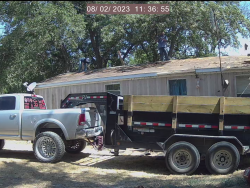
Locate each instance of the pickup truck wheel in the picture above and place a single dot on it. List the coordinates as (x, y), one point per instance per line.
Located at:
(222, 158)
(182, 158)
(48, 147)
(75, 146)
(2, 143)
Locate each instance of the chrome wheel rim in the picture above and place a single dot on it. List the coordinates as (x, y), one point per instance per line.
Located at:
(46, 147)
(222, 159)
(182, 159)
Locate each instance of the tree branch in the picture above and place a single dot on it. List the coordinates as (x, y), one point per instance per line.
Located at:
(127, 52)
(173, 41)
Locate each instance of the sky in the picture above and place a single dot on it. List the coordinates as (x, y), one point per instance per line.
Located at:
(241, 51)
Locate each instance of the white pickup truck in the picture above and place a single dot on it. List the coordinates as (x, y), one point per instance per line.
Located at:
(25, 117)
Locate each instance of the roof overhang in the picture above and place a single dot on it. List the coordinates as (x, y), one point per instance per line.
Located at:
(143, 76)
(115, 78)
(208, 70)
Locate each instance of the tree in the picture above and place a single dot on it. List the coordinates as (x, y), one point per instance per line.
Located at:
(40, 40)
(46, 38)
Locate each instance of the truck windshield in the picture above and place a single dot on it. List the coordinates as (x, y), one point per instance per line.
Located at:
(34, 103)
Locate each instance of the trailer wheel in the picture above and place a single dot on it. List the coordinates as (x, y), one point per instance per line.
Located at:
(75, 146)
(182, 158)
(2, 143)
(48, 147)
(222, 158)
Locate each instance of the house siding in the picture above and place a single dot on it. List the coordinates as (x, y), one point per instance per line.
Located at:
(210, 85)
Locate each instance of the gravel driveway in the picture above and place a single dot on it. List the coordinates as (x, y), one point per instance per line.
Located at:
(19, 168)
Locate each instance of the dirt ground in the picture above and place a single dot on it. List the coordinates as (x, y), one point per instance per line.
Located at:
(20, 168)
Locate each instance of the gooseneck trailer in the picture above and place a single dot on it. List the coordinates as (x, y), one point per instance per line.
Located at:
(186, 128)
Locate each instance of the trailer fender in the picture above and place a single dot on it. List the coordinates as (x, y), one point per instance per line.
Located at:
(202, 140)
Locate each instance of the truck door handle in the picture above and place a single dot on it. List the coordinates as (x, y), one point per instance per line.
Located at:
(13, 116)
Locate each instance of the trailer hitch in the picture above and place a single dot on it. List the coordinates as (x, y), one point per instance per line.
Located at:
(98, 143)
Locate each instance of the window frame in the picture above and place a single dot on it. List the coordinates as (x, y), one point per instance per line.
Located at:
(9, 97)
(235, 83)
(168, 84)
(105, 85)
(38, 98)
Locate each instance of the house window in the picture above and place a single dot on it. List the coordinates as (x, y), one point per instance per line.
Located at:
(242, 86)
(7, 103)
(178, 87)
(113, 88)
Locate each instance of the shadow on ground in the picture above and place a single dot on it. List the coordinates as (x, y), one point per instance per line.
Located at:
(148, 164)
(146, 171)
(29, 155)
(27, 176)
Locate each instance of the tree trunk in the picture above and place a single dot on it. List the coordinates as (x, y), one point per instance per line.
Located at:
(153, 51)
(104, 62)
(99, 59)
(66, 58)
(173, 41)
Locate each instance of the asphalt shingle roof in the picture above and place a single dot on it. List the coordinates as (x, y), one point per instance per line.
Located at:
(171, 67)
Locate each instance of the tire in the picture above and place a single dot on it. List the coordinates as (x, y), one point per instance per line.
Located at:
(222, 158)
(75, 146)
(2, 143)
(55, 146)
(182, 158)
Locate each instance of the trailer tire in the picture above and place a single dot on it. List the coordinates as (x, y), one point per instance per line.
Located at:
(182, 158)
(222, 158)
(2, 143)
(48, 147)
(76, 147)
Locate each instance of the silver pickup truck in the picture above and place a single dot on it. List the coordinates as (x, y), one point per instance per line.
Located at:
(52, 132)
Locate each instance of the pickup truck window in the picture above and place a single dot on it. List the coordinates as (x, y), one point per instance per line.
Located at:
(34, 103)
(8, 103)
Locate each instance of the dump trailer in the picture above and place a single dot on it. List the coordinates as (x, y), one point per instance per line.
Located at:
(187, 129)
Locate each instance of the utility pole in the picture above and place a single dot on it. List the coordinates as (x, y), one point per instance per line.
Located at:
(219, 41)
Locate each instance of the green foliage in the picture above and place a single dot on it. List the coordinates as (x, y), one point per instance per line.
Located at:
(40, 41)
(46, 38)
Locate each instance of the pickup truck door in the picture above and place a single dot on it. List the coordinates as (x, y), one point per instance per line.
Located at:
(9, 117)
